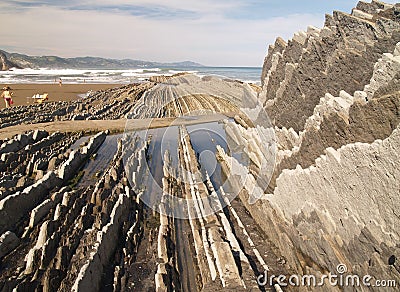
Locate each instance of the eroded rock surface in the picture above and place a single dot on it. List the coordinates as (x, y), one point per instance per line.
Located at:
(333, 96)
(317, 187)
(340, 56)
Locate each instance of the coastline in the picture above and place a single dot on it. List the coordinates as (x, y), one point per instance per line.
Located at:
(22, 92)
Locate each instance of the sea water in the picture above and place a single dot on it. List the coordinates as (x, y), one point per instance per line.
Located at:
(75, 76)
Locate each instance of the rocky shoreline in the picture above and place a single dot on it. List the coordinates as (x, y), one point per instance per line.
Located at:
(194, 189)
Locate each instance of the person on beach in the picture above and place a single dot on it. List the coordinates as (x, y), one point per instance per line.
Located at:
(7, 95)
(60, 82)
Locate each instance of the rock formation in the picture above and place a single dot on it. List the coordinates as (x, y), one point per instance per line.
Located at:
(333, 96)
(5, 63)
(318, 186)
(340, 56)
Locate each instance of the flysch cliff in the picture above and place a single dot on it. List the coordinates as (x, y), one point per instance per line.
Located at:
(72, 214)
(340, 56)
(333, 95)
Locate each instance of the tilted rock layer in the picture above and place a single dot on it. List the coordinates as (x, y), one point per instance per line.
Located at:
(340, 56)
(333, 96)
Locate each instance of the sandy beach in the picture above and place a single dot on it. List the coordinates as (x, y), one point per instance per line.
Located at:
(22, 93)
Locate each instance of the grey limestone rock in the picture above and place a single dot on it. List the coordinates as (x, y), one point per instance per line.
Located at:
(326, 62)
(8, 241)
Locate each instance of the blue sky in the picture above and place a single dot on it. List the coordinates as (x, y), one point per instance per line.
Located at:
(211, 32)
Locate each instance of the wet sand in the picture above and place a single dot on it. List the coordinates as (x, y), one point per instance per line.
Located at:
(22, 93)
(114, 126)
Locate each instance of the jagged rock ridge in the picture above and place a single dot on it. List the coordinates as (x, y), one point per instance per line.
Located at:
(340, 56)
(333, 198)
(333, 95)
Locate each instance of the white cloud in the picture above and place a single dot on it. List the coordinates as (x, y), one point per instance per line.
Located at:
(203, 6)
(211, 40)
(171, 6)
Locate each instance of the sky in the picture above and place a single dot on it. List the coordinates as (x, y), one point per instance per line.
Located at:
(210, 32)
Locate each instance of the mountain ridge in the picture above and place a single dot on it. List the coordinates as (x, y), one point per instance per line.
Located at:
(9, 60)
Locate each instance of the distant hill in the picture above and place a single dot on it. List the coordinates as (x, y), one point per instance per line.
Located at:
(9, 60)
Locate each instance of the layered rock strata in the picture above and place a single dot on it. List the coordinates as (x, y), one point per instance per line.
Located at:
(65, 239)
(333, 96)
(340, 56)
(174, 97)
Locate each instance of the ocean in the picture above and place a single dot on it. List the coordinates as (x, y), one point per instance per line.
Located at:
(126, 76)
